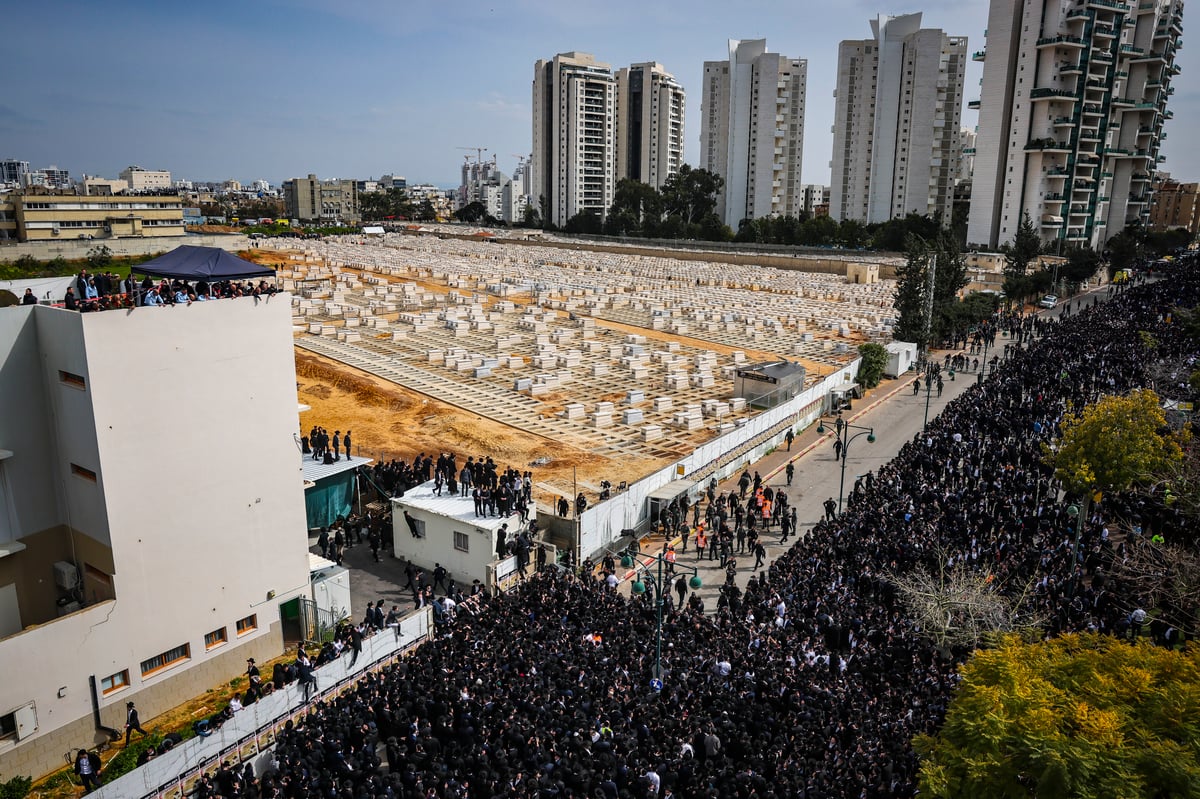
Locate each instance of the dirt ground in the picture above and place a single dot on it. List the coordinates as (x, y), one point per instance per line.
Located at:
(389, 421)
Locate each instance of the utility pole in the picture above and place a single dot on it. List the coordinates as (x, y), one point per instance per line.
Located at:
(931, 282)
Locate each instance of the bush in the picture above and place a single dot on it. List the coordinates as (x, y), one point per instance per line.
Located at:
(127, 759)
(15, 788)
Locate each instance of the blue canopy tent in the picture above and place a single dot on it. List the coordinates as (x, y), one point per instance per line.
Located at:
(202, 263)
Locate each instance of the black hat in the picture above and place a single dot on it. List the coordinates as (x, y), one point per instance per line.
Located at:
(249, 660)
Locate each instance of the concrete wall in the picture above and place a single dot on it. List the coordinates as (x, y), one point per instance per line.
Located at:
(187, 418)
(73, 249)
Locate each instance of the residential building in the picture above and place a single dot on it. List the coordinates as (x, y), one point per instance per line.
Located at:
(41, 216)
(966, 155)
(13, 172)
(140, 180)
(574, 144)
(311, 199)
(393, 182)
(1176, 205)
(140, 561)
(650, 106)
(814, 198)
(49, 178)
(752, 131)
(896, 122)
(1074, 97)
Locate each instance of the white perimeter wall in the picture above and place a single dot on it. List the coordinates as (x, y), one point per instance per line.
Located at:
(601, 524)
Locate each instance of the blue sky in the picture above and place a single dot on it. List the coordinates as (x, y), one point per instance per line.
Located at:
(358, 88)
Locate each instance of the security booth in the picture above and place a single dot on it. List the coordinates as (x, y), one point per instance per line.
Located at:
(765, 385)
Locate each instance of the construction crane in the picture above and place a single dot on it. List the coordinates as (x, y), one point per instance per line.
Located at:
(479, 151)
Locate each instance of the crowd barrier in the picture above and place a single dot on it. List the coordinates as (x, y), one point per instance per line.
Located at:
(251, 733)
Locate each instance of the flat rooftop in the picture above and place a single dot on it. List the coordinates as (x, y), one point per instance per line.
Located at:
(451, 506)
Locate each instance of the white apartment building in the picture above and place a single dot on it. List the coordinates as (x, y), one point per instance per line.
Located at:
(814, 198)
(895, 131)
(650, 107)
(966, 155)
(573, 163)
(1074, 96)
(752, 130)
(139, 179)
(143, 556)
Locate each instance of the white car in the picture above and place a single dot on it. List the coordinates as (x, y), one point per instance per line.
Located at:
(1049, 301)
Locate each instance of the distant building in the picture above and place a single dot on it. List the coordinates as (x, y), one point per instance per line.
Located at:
(139, 179)
(93, 186)
(311, 199)
(573, 163)
(966, 155)
(813, 197)
(121, 596)
(649, 107)
(896, 121)
(1176, 205)
(261, 186)
(13, 172)
(752, 131)
(43, 216)
(393, 182)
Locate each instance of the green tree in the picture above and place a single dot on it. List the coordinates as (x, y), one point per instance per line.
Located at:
(942, 256)
(586, 222)
(1018, 255)
(874, 361)
(636, 210)
(691, 194)
(819, 231)
(1126, 248)
(853, 233)
(471, 213)
(1078, 716)
(426, 212)
(1082, 264)
(99, 257)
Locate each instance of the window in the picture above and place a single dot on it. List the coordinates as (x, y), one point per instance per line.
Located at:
(215, 638)
(168, 658)
(20, 723)
(461, 542)
(72, 379)
(86, 474)
(115, 682)
(248, 624)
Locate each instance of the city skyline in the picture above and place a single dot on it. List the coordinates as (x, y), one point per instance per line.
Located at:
(223, 91)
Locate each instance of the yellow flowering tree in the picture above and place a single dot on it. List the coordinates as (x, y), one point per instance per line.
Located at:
(1114, 443)
(1078, 716)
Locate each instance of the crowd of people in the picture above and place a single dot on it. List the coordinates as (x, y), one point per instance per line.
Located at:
(810, 683)
(106, 291)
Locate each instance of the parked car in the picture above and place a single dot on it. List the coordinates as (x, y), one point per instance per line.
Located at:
(1049, 301)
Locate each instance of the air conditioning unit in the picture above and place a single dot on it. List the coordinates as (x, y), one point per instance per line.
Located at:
(66, 576)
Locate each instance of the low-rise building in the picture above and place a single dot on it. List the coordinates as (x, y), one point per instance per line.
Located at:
(1176, 205)
(140, 179)
(140, 558)
(46, 216)
(311, 199)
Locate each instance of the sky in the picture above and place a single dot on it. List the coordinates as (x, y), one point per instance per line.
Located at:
(359, 88)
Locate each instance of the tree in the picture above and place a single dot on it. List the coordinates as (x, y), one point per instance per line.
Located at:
(853, 234)
(1126, 248)
(586, 222)
(1114, 443)
(636, 210)
(959, 607)
(874, 361)
(1018, 254)
(426, 212)
(691, 194)
(471, 212)
(1161, 576)
(1082, 263)
(99, 257)
(1078, 716)
(942, 256)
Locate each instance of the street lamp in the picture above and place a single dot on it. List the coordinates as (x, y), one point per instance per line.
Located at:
(657, 583)
(842, 434)
(1077, 518)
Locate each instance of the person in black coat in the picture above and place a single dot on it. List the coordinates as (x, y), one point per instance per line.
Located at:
(132, 722)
